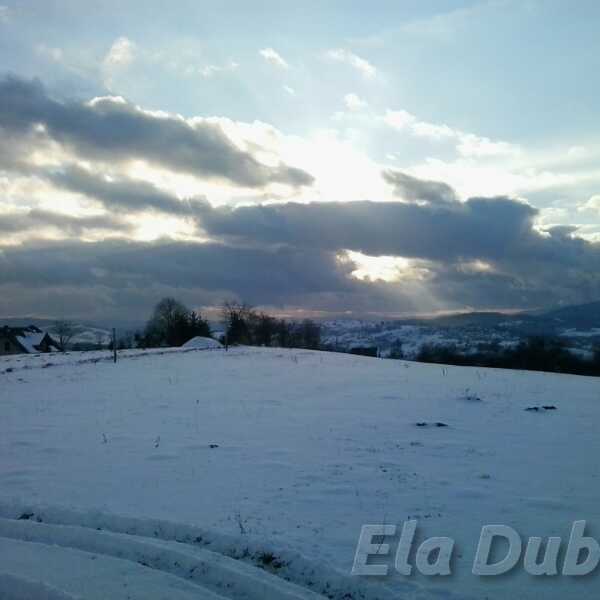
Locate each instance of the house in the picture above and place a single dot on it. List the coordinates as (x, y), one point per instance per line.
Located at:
(26, 340)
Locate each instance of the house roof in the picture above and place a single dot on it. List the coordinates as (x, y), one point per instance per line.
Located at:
(29, 338)
(30, 341)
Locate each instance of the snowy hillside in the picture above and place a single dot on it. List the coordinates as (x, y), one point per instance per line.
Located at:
(91, 336)
(344, 335)
(466, 337)
(249, 473)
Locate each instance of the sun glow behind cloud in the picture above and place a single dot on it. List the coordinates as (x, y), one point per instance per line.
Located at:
(152, 227)
(384, 268)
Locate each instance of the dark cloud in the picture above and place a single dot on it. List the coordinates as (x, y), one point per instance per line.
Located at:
(111, 130)
(412, 189)
(202, 273)
(250, 272)
(35, 219)
(477, 228)
(485, 252)
(121, 195)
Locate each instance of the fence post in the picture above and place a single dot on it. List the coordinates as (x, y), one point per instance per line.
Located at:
(114, 332)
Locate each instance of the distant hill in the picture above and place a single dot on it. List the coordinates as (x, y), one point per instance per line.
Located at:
(581, 316)
(479, 319)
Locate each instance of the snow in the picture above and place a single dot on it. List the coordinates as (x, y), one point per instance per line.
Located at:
(17, 362)
(92, 336)
(154, 566)
(259, 466)
(347, 334)
(30, 341)
(575, 333)
(23, 588)
(202, 343)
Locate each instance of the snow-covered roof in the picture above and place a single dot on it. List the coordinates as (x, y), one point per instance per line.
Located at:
(202, 343)
(30, 341)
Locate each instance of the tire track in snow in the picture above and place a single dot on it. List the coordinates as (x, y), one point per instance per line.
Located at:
(92, 576)
(215, 565)
(215, 575)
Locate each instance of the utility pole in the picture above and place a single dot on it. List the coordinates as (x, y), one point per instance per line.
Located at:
(114, 344)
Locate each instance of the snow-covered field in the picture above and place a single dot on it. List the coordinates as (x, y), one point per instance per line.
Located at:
(213, 474)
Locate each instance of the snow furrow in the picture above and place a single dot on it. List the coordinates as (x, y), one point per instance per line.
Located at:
(208, 569)
(244, 567)
(92, 576)
(191, 552)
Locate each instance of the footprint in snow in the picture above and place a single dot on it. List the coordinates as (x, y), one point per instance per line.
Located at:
(540, 408)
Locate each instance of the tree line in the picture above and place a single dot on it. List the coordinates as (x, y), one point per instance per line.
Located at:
(244, 325)
(173, 324)
(533, 354)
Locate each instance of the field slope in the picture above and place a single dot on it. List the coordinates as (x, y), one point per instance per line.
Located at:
(248, 473)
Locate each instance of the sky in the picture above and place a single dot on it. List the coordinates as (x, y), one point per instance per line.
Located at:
(315, 158)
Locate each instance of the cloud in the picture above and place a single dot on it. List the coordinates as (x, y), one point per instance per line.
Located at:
(4, 14)
(577, 152)
(403, 120)
(210, 70)
(121, 53)
(485, 228)
(118, 194)
(353, 102)
(489, 246)
(592, 205)
(360, 64)
(112, 130)
(291, 91)
(468, 145)
(114, 271)
(35, 220)
(412, 189)
(484, 252)
(274, 58)
(49, 53)
(117, 60)
(399, 119)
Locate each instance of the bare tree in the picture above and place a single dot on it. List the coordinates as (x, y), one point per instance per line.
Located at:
(237, 318)
(65, 330)
(167, 313)
(173, 324)
(100, 340)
